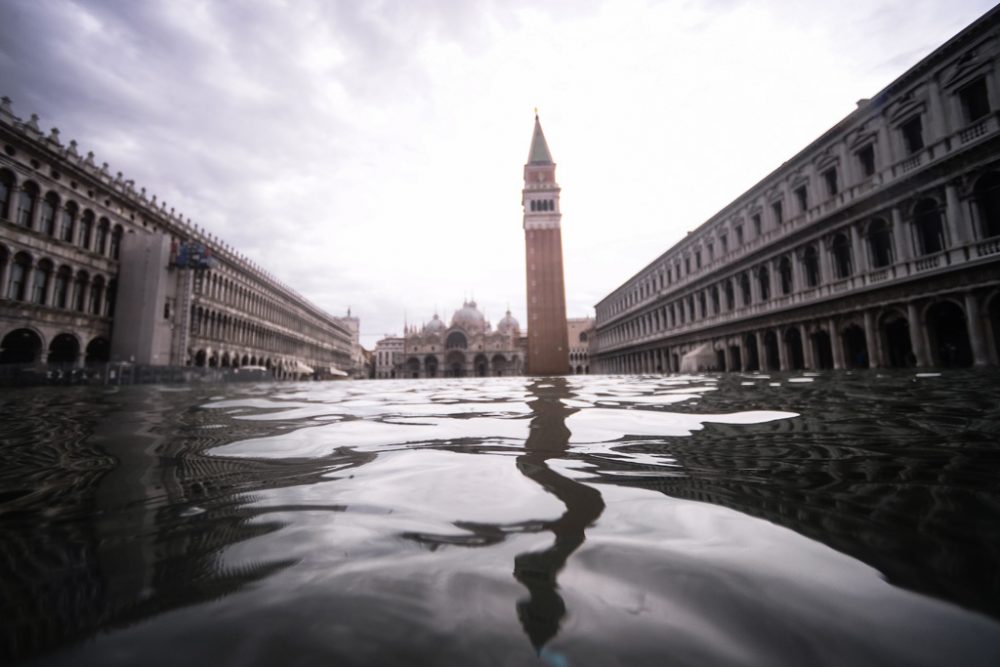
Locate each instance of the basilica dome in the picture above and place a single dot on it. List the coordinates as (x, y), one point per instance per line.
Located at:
(435, 325)
(469, 318)
(508, 325)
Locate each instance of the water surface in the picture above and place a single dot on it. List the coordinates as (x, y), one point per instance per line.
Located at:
(829, 518)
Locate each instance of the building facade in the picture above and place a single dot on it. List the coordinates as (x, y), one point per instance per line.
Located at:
(89, 273)
(580, 331)
(548, 352)
(877, 245)
(388, 357)
(469, 346)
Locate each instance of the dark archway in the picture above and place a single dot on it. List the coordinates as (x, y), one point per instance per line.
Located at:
(764, 283)
(793, 348)
(785, 273)
(456, 341)
(454, 364)
(879, 243)
(928, 226)
(98, 351)
(20, 346)
(481, 365)
(720, 360)
(896, 341)
(430, 366)
(855, 347)
(987, 194)
(949, 335)
(841, 249)
(413, 367)
(822, 350)
(993, 315)
(499, 364)
(753, 360)
(810, 264)
(200, 358)
(734, 353)
(771, 354)
(64, 350)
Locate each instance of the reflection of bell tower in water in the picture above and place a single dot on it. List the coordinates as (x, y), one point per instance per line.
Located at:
(548, 340)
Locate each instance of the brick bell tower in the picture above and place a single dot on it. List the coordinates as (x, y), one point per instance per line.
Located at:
(548, 340)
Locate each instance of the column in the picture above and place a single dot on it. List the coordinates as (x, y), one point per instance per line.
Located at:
(977, 340)
(917, 339)
(754, 286)
(900, 237)
(775, 274)
(758, 345)
(782, 352)
(871, 341)
(743, 352)
(808, 356)
(956, 221)
(5, 277)
(858, 249)
(825, 276)
(798, 281)
(836, 345)
(50, 288)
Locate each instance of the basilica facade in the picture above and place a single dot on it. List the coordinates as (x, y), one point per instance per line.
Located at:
(467, 346)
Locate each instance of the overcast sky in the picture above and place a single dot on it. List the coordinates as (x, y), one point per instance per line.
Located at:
(370, 154)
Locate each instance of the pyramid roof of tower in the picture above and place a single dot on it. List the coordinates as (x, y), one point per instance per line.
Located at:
(539, 153)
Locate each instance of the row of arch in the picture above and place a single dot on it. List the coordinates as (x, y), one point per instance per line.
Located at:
(542, 205)
(25, 206)
(809, 266)
(458, 364)
(25, 346)
(949, 332)
(928, 232)
(26, 278)
(227, 291)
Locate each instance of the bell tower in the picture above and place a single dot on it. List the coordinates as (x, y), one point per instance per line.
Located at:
(548, 340)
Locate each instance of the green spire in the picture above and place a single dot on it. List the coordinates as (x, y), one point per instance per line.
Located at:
(539, 153)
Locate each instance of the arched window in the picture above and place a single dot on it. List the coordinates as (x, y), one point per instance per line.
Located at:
(745, 289)
(715, 298)
(60, 295)
(96, 296)
(880, 243)
(534, 205)
(810, 262)
(764, 280)
(42, 277)
(730, 296)
(86, 229)
(103, 231)
(987, 194)
(26, 204)
(17, 289)
(116, 241)
(841, 248)
(80, 291)
(6, 188)
(49, 206)
(927, 223)
(785, 272)
(67, 219)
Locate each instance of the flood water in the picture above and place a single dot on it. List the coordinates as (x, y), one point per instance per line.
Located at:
(834, 518)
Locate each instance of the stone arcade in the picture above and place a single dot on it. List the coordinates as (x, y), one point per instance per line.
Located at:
(878, 245)
(84, 253)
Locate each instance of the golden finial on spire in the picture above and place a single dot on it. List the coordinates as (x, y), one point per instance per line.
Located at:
(536, 112)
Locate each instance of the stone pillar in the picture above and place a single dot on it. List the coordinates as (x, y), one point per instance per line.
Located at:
(836, 345)
(977, 340)
(743, 352)
(774, 273)
(901, 237)
(755, 286)
(871, 341)
(50, 288)
(808, 358)
(825, 275)
(798, 280)
(782, 352)
(858, 249)
(759, 344)
(956, 221)
(917, 337)
(5, 277)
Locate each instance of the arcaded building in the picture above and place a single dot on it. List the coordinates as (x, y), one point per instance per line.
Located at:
(878, 245)
(579, 331)
(548, 350)
(468, 346)
(93, 269)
